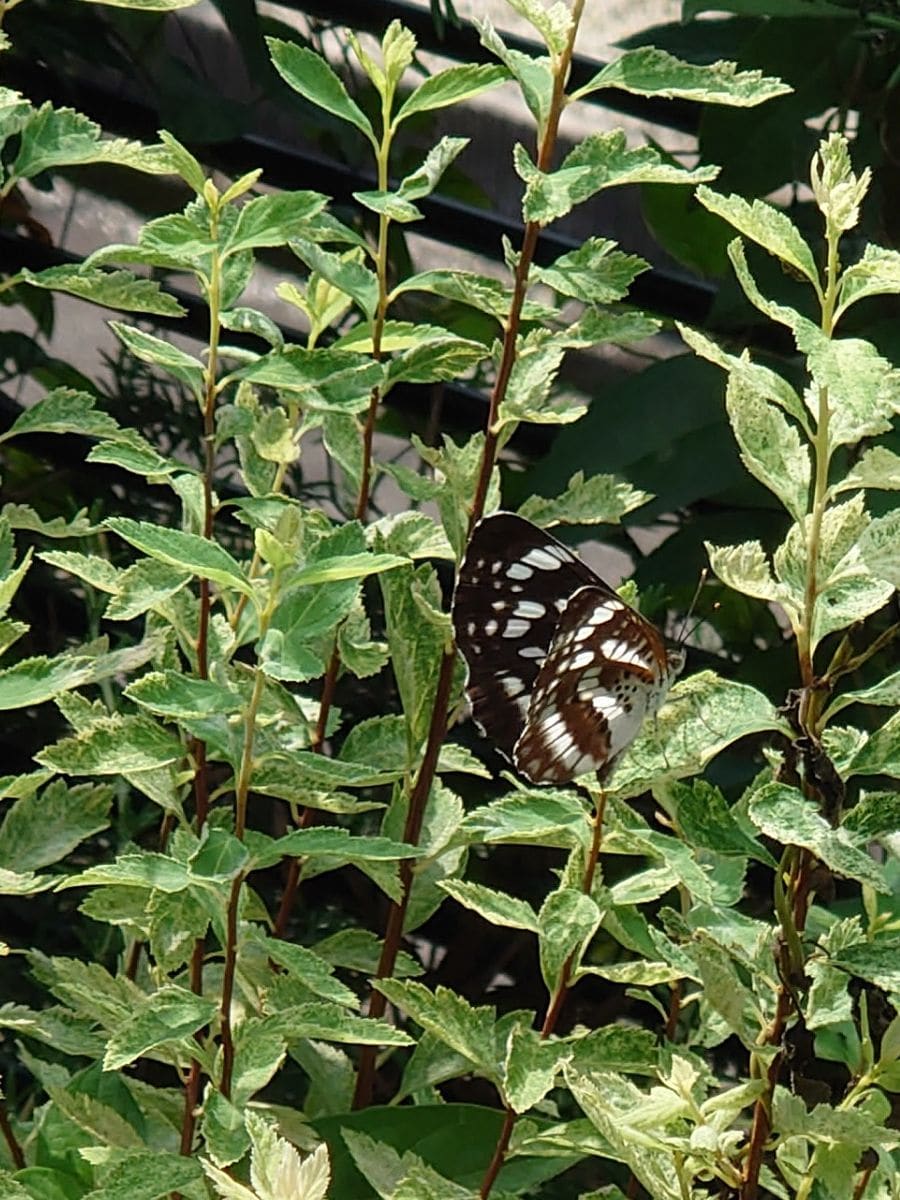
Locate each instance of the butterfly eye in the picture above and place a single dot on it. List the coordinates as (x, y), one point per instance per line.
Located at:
(562, 672)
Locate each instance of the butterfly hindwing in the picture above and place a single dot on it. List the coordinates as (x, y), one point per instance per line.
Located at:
(593, 691)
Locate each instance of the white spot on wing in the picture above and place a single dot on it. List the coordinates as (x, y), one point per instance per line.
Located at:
(516, 628)
(529, 609)
(531, 652)
(518, 570)
(583, 658)
(617, 650)
(542, 559)
(491, 627)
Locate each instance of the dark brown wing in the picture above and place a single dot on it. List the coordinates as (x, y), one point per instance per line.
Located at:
(514, 582)
(606, 670)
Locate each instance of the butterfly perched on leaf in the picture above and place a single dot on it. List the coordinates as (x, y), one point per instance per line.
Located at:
(562, 672)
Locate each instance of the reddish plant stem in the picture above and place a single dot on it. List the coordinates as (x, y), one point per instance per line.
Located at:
(134, 958)
(228, 986)
(674, 1011)
(499, 1156)
(198, 747)
(799, 882)
(554, 1008)
(15, 1150)
(862, 1183)
(292, 882)
(412, 830)
(192, 1084)
(422, 787)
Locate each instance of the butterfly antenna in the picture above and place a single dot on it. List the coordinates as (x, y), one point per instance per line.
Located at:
(685, 632)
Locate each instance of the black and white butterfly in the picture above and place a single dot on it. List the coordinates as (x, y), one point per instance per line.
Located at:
(562, 672)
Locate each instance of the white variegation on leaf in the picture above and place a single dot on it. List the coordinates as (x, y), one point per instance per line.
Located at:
(277, 1169)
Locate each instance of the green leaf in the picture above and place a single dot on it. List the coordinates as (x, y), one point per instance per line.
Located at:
(879, 752)
(150, 1176)
(424, 179)
(34, 680)
(702, 716)
(348, 275)
(877, 273)
(144, 870)
(144, 585)
(115, 289)
(154, 350)
(345, 566)
(783, 813)
(595, 273)
(876, 467)
(746, 569)
(251, 320)
(706, 821)
(112, 746)
(838, 191)
(554, 22)
(272, 220)
(185, 551)
(863, 388)
(568, 920)
(450, 87)
(417, 643)
(167, 1015)
(531, 1067)
(443, 357)
(766, 225)
(64, 410)
(332, 1023)
(533, 75)
(886, 691)
(450, 1018)
(529, 391)
(599, 161)
(104, 1124)
(770, 447)
(466, 287)
(311, 76)
(337, 843)
(180, 697)
(60, 137)
(647, 71)
(530, 817)
(310, 969)
(608, 1099)
(829, 1001)
(496, 907)
(133, 453)
(602, 499)
(767, 384)
(878, 547)
(323, 379)
(43, 828)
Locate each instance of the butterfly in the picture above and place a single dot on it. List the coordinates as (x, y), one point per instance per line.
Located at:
(562, 672)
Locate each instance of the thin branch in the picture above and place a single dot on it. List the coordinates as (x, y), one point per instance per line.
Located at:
(228, 986)
(9, 1137)
(557, 1001)
(437, 729)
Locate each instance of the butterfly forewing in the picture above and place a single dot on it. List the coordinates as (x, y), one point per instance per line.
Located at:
(562, 672)
(513, 584)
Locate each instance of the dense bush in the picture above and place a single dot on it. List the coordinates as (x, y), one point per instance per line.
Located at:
(251, 816)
